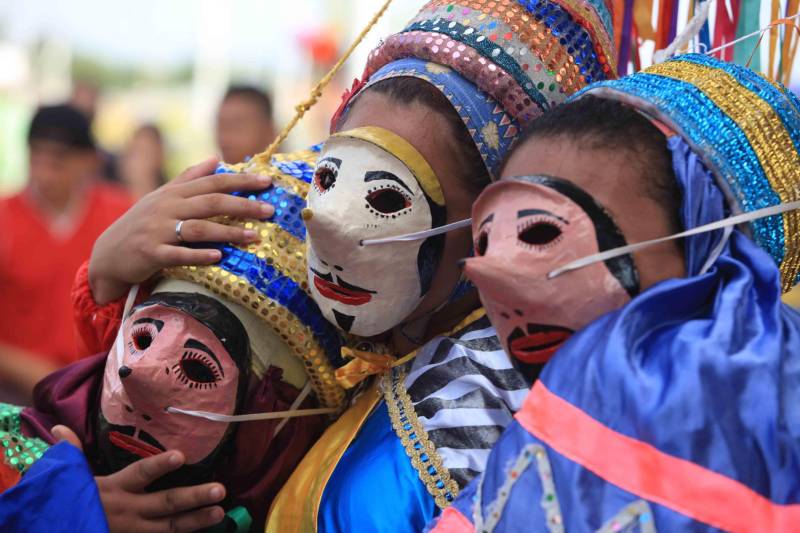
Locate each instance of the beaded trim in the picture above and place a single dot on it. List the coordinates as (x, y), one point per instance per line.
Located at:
(419, 448)
(549, 501)
(19, 452)
(552, 31)
(497, 32)
(635, 517)
(489, 50)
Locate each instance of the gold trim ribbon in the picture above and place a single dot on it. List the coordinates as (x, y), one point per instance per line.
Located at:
(405, 152)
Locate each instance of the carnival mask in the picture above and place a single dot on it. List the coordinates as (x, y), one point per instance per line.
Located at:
(524, 228)
(371, 183)
(179, 350)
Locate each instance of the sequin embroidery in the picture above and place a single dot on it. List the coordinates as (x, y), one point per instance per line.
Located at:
(19, 452)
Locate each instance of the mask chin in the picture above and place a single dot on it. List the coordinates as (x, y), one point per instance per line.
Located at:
(114, 455)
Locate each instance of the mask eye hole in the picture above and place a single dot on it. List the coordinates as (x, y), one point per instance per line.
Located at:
(197, 371)
(540, 234)
(482, 243)
(325, 178)
(387, 201)
(142, 338)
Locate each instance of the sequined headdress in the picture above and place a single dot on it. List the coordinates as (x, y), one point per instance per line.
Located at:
(746, 129)
(501, 63)
(269, 277)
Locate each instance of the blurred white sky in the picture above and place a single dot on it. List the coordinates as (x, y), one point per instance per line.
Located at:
(159, 34)
(222, 41)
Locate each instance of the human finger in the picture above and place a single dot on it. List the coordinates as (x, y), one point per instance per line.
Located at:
(167, 255)
(224, 183)
(135, 477)
(65, 434)
(214, 204)
(178, 500)
(208, 231)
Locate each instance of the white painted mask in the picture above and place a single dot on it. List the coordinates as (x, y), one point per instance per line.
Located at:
(369, 184)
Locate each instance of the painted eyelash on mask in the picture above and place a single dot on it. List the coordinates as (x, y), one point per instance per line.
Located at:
(372, 195)
(133, 345)
(184, 378)
(325, 166)
(539, 221)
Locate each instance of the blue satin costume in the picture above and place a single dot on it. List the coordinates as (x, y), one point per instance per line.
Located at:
(704, 369)
(393, 487)
(57, 493)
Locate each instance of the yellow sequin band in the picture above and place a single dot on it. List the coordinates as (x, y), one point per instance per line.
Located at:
(767, 136)
(419, 448)
(405, 152)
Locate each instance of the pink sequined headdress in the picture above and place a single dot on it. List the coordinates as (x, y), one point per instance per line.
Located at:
(500, 62)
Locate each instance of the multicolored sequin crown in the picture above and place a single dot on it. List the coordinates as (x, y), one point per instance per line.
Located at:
(269, 277)
(501, 63)
(746, 128)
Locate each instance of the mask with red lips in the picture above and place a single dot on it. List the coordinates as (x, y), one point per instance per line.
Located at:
(526, 227)
(180, 350)
(370, 183)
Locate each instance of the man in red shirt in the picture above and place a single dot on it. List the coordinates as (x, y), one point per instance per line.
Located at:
(48, 230)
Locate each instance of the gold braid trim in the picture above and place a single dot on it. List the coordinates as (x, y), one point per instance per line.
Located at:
(422, 452)
(300, 110)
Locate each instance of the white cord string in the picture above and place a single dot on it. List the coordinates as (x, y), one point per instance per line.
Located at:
(749, 35)
(720, 224)
(717, 251)
(419, 235)
(216, 417)
(295, 404)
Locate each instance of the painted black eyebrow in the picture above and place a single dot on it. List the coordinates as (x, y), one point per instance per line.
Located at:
(197, 345)
(157, 323)
(373, 175)
(486, 220)
(529, 212)
(334, 160)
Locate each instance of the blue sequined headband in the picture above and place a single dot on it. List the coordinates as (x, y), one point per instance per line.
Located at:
(746, 129)
(491, 128)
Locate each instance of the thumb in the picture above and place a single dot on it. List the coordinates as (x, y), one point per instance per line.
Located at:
(64, 434)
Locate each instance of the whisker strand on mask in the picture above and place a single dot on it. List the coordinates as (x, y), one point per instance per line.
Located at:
(720, 224)
(419, 235)
(254, 417)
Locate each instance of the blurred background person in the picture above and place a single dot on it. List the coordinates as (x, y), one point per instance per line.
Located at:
(85, 98)
(140, 165)
(244, 123)
(49, 229)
